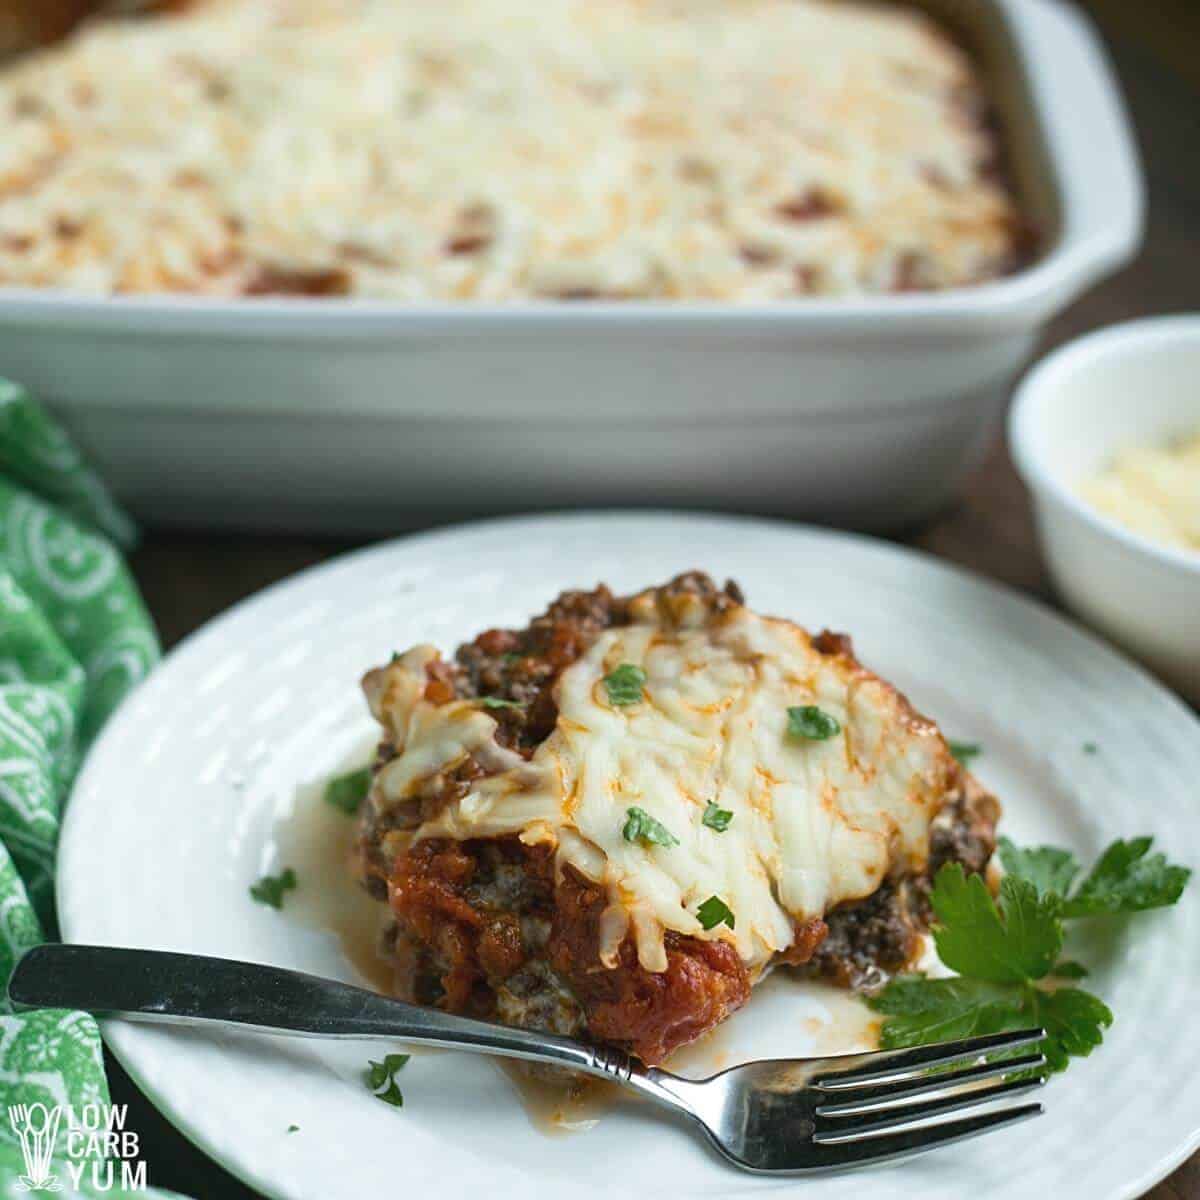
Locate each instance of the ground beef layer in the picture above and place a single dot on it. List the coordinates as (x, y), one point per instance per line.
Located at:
(486, 928)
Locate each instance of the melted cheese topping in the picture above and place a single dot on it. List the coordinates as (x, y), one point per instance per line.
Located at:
(496, 149)
(815, 823)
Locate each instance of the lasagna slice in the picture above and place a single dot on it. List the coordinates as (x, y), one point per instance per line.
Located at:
(611, 824)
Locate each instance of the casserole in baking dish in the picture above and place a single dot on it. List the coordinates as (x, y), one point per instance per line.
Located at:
(734, 150)
(864, 409)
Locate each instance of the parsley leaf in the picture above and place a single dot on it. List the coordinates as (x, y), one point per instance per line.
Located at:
(640, 826)
(1069, 970)
(1074, 1021)
(964, 751)
(624, 685)
(1002, 949)
(1128, 878)
(270, 889)
(1019, 939)
(498, 702)
(921, 1011)
(716, 818)
(381, 1078)
(348, 791)
(1049, 869)
(924, 1010)
(293, 1129)
(713, 912)
(810, 722)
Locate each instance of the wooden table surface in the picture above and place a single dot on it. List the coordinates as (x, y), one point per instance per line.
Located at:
(1156, 46)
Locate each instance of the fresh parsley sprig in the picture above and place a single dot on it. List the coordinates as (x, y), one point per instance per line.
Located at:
(1009, 941)
(1126, 878)
(1006, 950)
(1049, 869)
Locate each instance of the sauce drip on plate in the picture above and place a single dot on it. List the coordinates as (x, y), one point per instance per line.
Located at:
(318, 841)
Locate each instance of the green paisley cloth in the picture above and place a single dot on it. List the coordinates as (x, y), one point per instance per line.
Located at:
(74, 639)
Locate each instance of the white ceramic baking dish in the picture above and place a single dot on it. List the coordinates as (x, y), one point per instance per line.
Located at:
(348, 415)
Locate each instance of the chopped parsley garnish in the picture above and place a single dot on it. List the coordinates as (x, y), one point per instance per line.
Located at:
(270, 889)
(348, 791)
(1005, 949)
(1090, 748)
(713, 912)
(808, 721)
(640, 826)
(716, 818)
(293, 1129)
(964, 751)
(624, 685)
(381, 1078)
(498, 702)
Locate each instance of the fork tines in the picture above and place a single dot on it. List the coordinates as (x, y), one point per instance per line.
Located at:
(881, 1107)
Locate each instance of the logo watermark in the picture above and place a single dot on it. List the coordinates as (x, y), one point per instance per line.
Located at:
(92, 1144)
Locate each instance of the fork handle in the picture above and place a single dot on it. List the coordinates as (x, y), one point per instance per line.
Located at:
(192, 989)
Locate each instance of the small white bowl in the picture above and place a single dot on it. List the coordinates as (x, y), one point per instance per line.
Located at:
(1131, 385)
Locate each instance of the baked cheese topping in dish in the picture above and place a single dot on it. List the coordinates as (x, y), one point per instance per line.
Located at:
(811, 822)
(1153, 491)
(489, 150)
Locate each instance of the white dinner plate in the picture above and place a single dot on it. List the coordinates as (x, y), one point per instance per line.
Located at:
(192, 793)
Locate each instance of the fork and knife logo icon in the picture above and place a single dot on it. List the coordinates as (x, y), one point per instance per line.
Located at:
(36, 1127)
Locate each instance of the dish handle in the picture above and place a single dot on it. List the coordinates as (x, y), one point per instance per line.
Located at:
(1091, 143)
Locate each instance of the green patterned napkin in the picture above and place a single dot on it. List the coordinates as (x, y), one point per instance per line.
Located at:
(74, 639)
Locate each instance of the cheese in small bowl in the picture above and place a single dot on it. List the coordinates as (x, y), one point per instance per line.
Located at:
(1154, 492)
(1106, 433)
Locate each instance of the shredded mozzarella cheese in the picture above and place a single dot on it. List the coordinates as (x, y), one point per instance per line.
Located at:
(815, 822)
(1154, 491)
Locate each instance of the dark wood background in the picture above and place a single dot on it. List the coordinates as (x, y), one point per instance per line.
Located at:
(1156, 46)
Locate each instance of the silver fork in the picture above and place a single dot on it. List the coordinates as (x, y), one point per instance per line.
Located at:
(779, 1117)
